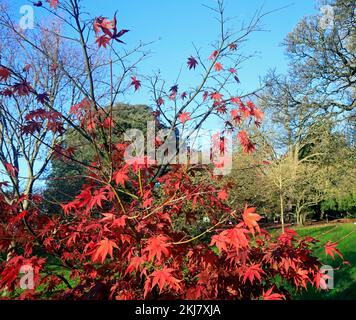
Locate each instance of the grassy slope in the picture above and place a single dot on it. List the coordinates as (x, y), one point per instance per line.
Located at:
(345, 277)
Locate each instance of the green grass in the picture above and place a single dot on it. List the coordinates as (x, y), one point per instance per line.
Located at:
(345, 277)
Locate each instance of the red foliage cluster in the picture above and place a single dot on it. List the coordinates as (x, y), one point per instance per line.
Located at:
(109, 30)
(121, 236)
(121, 244)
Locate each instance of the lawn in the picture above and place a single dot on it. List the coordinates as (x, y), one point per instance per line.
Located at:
(345, 277)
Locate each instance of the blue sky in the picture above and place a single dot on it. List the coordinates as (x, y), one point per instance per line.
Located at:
(175, 24)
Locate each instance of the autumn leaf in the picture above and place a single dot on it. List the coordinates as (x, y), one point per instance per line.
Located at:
(53, 3)
(236, 100)
(247, 145)
(184, 117)
(120, 177)
(192, 63)
(102, 41)
(104, 247)
(173, 92)
(218, 66)
(135, 264)
(216, 96)
(10, 169)
(163, 277)
(214, 55)
(232, 46)
(237, 237)
(160, 101)
(120, 222)
(330, 249)
(220, 241)
(136, 83)
(320, 280)
(27, 67)
(156, 247)
(104, 25)
(42, 97)
(183, 95)
(250, 219)
(268, 295)
(223, 195)
(22, 88)
(20, 216)
(205, 95)
(258, 114)
(97, 198)
(117, 35)
(253, 272)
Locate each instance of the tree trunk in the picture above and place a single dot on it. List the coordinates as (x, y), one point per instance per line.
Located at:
(282, 212)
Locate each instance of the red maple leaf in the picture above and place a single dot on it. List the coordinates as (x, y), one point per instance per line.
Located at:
(173, 92)
(237, 237)
(135, 264)
(220, 241)
(160, 101)
(320, 280)
(233, 46)
(214, 55)
(120, 177)
(120, 222)
(183, 95)
(136, 83)
(164, 277)
(42, 97)
(223, 195)
(10, 169)
(192, 63)
(252, 272)
(184, 117)
(218, 66)
(216, 96)
(117, 35)
(247, 145)
(22, 88)
(20, 216)
(156, 246)
(251, 218)
(268, 295)
(97, 199)
(53, 3)
(258, 114)
(4, 74)
(236, 100)
(330, 249)
(102, 41)
(104, 247)
(205, 95)
(27, 67)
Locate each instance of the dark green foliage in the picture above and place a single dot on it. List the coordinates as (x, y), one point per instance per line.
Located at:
(67, 177)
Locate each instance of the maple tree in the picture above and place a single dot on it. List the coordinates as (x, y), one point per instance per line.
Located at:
(118, 237)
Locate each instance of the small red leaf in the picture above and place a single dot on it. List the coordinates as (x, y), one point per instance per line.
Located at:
(104, 247)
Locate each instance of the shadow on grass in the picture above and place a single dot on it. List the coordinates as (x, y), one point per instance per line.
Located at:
(344, 284)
